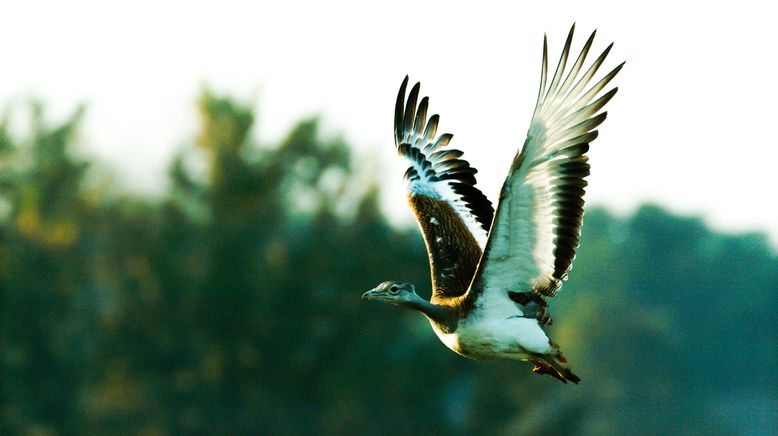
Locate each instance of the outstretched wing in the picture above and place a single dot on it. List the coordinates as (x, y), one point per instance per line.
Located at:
(454, 216)
(538, 220)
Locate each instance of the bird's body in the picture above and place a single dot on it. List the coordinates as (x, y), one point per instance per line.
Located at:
(507, 335)
(492, 271)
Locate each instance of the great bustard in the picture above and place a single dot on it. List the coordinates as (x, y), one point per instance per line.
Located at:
(492, 272)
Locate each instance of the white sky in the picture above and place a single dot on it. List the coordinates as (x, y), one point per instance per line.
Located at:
(689, 129)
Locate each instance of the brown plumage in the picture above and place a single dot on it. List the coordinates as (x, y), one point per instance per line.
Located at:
(453, 251)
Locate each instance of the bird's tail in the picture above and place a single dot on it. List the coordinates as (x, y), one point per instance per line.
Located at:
(555, 366)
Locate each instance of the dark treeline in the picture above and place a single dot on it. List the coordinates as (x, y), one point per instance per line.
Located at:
(231, 305)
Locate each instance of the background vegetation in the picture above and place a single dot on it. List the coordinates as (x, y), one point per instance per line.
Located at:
(231, 305)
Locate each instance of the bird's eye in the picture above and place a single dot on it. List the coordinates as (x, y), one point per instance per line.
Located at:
(394, 289)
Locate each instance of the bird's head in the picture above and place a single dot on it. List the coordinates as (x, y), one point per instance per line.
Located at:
(399, 294)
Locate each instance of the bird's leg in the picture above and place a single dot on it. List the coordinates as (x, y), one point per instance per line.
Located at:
(543, 367)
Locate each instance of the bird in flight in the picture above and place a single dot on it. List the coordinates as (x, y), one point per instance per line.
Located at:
(493, 271)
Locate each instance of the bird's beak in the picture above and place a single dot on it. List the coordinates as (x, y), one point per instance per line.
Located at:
(369, 295)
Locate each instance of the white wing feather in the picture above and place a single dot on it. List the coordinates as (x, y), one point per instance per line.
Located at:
(535, 232)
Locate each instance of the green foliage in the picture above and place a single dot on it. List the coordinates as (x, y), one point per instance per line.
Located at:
(232, 306)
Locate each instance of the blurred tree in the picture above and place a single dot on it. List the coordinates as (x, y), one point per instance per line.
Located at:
(231, 305)
(44, 256)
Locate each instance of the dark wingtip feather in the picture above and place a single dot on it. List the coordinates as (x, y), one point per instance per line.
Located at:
(607, 96)
(399, 108)
(410, 108)
(561, 64)
(607, 50)
(431, 129)
(543, 71)
(421, 116)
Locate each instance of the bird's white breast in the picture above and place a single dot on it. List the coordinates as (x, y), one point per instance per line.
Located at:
(496, 337)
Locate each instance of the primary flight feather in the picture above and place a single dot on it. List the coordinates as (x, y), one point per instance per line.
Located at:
(492, 271)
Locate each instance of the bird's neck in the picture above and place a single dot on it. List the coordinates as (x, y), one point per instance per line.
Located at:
(445, 316)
